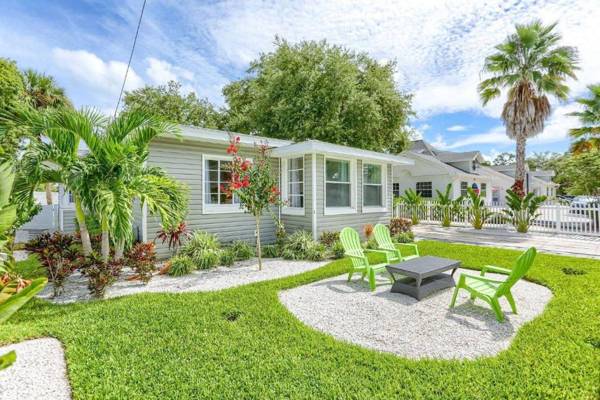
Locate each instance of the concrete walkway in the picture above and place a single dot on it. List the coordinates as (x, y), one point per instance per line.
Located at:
(571, 245)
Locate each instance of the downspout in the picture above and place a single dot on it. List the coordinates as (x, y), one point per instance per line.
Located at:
(314, 196)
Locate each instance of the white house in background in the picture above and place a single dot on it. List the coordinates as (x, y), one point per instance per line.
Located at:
(435, 169)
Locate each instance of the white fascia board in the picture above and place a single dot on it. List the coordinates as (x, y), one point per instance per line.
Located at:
(213, 135)
(315, 146)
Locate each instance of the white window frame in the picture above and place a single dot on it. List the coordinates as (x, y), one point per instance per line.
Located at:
(384, 194)
(340, 210)
(285, 183)
(208, 208)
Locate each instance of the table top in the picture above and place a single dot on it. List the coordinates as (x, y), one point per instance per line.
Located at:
(426, 265)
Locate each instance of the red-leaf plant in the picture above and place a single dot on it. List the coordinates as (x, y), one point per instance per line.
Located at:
(253, 183)
(173, 235)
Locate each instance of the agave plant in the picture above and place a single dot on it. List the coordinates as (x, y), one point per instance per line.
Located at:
(447, 207)
(414, 201)
(522, 212)
(478, 212)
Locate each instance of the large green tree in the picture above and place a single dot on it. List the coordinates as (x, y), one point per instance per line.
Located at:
(580, 173)
(170, 104)
(313, 90)
(12, 94)
(587, 136)
(531, 65)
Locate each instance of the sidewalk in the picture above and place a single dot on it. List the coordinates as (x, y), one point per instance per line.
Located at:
(571, 245)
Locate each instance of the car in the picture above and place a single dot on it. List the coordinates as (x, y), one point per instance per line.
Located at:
(580, 204)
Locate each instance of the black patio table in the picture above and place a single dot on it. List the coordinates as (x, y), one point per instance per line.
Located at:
(422, 276)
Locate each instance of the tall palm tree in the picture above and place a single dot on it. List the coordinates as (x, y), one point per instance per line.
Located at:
(42, 92)
(588, 136)
(531, 65)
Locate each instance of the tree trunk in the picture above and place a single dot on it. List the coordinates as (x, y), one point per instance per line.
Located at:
(519, 187)
(83, 231)
(258, 250)
(48, 188)
(119, 249)
(105, 247)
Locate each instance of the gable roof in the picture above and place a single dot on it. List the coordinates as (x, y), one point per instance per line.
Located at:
(422, 147)
(433, 160)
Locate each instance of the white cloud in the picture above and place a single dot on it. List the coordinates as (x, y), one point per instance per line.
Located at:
(439, 143)
(456, 128)
(90, 70)
(161, 72)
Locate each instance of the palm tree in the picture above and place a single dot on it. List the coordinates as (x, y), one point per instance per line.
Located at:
(589, 134)
(447, 207)
(531, 65)
(414, 201)
(41, 92)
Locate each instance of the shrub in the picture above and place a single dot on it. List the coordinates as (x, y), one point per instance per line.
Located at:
(203, 248)
(337, 250)
(271, 251)
(404, 237)
(181, 265)
(301, 246)
(100, 274)
(227, 257)
(329, 238)
(58, 269)
(399, 225)
(370, 244)
(241, 250)
(173, 235)
(142, 259)
(207, 259)
(522, 212)
(280, 234)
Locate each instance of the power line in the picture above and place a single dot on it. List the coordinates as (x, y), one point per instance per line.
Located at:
(137, 31)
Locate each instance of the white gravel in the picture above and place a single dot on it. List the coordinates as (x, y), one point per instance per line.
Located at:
(39, 373)
(399, 324)
(75, 288)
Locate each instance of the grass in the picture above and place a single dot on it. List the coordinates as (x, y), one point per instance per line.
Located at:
(242, 343)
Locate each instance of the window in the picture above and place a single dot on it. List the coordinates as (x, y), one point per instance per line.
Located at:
(295, 182)
(483, 190)
(216, 175)
(338, 186)
(463, 188)
(71, 198)
(425, 189)
(373, 186)
(396, 189)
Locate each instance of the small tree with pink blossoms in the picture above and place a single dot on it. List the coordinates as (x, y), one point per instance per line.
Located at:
(253, 184)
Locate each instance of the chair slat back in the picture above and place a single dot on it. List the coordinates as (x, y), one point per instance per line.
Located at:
(351, 243)
(383, 237)
(522, 266)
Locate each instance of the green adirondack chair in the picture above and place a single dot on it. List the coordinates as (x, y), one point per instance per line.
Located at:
(360, 263)
(490, 290)
(392, 252)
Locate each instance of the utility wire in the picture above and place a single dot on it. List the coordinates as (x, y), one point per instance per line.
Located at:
(137, 31)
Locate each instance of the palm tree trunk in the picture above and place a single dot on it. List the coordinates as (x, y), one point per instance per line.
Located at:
(105, 246)
(518, 186)
(83, 231)
(258, 250)
(48, 188)
(119, 249)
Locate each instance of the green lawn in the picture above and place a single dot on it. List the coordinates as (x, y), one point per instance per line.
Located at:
(242, 343)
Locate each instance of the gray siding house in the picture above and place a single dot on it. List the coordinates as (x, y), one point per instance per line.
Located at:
(325, 186)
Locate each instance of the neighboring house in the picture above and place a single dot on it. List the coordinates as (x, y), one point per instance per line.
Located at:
(434, 169)
(326, 186)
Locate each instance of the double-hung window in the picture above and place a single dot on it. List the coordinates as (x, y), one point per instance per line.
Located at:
(483, 190)
(463, 188)
(425, 189)
(338, 184)
(373, 186)
(293, 185)
(216, 176)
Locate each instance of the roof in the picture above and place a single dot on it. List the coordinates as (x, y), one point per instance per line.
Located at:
(451, 156)
(214, 135)
(451, 169)
(317, 146)
(422, 147)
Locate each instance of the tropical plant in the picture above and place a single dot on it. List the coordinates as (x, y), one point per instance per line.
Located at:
(301, 246)
(414, 202)
(522, 211)
(181, 265)
(173, 235)
(271, 251)
(399, 225)
(531, 64)
(142, 259)
(447, 207)
(100, 274)
(368, 230)
(479, 214)
(227, 257)
(254, 184)
(203, 248)
(328, 238)
(588, 136)
(337, 250)
(242, 250)
(404, 237)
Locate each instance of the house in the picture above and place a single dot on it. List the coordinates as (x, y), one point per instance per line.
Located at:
(325, 186)
(434, 169)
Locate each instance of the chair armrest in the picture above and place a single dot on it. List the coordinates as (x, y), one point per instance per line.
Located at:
(378, 251)
(354, 254)
(492, 268)
(413, 245)
(481, 278)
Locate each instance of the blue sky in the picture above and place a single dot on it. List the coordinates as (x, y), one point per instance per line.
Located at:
(439, 47)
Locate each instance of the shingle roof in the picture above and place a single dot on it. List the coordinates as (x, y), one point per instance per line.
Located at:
(452, 156)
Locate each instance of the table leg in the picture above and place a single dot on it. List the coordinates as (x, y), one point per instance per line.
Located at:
(453, 271)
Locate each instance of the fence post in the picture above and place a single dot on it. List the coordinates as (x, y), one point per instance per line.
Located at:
(558, 217)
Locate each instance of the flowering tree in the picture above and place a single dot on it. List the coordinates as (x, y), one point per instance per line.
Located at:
(253, 183)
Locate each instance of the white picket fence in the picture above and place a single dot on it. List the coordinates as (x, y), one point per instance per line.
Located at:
(553, 217)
